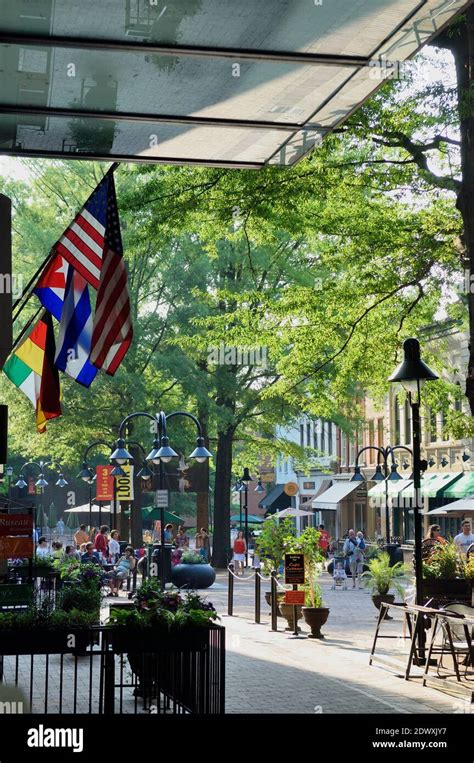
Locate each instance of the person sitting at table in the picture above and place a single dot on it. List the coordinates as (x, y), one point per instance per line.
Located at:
(90, 555)
(181, 540)
(42, 549)
(114, 546)
(58, 551)
(125, 566)
(432, 542)
(73, 553)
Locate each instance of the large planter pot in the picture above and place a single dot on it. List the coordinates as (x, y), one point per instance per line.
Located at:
(315, 617)
(149, 640)
(440, 591)
(287, 611)
(378, 598)
(45, 641)
(193, 575)
(280, 598)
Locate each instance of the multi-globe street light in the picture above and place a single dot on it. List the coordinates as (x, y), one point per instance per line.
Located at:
(41, 481)
(161, 453)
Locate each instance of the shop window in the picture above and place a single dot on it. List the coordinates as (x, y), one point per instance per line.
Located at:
(301, 435)
(380, 433)
(407, 412)
(330, 430)
(308, 434)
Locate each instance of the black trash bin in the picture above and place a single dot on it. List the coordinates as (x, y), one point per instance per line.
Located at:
(394, 551)
(156, 558)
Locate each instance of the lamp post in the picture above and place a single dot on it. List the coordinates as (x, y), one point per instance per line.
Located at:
(412, 374)
(386, 453)
(161, 453)
(41, 481)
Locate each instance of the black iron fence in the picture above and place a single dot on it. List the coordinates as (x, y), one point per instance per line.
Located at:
(107, 671)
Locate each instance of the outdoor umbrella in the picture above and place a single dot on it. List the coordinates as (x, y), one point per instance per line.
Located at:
(252, 519)
(454, 509)
(291, 513)
(52, 515)
(84, 509)
(153, 512)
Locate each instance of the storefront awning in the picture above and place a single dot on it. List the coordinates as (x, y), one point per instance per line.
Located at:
(462, 488)
(338, 492)
(454, 509)
(276, 500)
(227, 83)
(425, 482)
(437, 486)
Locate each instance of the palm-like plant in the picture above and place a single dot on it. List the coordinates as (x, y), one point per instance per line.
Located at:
(381, 576)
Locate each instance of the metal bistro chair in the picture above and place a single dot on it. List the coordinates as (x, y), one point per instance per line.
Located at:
(456, 637)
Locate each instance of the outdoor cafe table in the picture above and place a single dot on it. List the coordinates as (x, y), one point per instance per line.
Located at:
(414, 616)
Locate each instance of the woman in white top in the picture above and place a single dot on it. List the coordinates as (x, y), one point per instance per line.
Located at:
(114, 546)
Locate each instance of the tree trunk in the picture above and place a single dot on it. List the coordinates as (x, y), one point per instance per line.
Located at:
(221, 538)
(459, 39)
(202, 510)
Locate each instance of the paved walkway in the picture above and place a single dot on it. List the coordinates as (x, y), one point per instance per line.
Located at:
(275, 672)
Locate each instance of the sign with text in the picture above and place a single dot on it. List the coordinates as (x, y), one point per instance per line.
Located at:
(31, 486)
(294, 597)
(294, 569)
(161, 499)
(124, 485)
(104, 483)
(16, 524)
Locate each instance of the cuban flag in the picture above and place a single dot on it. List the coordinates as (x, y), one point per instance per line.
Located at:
(52, 285)
(75, 331)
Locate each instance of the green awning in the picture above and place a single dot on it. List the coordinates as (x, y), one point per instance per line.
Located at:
(437, 486)
(252, 519)
(151, 512)
(394, 487)
(424, 485)
(462, 488)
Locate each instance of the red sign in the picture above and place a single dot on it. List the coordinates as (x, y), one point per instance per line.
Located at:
(105, 483)
(31, 486)
(11, 547)
(294, 597)
(16, 524)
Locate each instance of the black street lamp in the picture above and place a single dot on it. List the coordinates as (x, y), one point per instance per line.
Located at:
(392, 476)
(412, 374)
(41, 481)
(161, 453)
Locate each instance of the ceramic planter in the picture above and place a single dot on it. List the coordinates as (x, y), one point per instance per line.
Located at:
(315, 617)
(287, 611)
(378, 598)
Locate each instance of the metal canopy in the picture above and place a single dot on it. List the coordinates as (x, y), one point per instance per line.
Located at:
(232, 83)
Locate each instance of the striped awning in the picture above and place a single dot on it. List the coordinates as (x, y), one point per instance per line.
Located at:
(462, 488)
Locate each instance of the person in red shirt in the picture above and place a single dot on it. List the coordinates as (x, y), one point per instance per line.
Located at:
(240, 547)
(101, 542)
(323, 540)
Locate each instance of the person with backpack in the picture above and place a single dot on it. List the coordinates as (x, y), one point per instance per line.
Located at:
(354, 546)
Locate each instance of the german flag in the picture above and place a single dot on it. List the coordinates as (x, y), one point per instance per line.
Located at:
(31, 368)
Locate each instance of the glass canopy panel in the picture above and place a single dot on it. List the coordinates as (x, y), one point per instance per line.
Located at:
(326, 26)
(128, 82)
(145, 141)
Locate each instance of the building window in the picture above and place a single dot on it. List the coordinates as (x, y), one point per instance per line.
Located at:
(315, 436)
(308, 434)
(458, 399)
(302, 435)
(397, 421)
(407, 423)
(433, 432)
(444, 434)
(371, 436)
(330, 448)
(380, 433)
(343, 448)
(323, 437)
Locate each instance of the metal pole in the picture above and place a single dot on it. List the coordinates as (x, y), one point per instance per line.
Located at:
(274, 601)
(295, 620)
(257, 596)
(246, 509)
(417, 519)
(240, 510)
(387, 513)
(230, 595)
(162, 530)
(90, 506)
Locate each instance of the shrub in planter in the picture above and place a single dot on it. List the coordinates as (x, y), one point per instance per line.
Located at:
(382, 576)
(314, 611)
(42, 631)
(270, 544)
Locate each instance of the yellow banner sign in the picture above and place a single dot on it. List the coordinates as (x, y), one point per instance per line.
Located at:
(124, 485)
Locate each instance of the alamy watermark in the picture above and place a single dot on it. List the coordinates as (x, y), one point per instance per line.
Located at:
(233, 355)
(11, 284)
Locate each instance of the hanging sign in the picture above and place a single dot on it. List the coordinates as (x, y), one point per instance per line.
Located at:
(124, 485)
(16, 524)
(16, 536)
(161, 499)
(294, 597)
(291, 488)
(104, 483)
(294, 569)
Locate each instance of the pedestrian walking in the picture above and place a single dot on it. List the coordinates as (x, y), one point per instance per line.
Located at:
(205, 549)
(101, 542)
(431, 542)
(81, 536)
(465, 537)
(240, 547)
(354, 546)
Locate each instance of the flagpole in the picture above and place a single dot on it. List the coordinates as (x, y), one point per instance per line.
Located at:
(25, 329)
(29, 285)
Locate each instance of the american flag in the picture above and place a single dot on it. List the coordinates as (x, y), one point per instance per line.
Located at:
(93, 246)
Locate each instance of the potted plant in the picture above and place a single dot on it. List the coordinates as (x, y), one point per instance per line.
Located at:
(192, 572)
(314, 612)
(382, 576)
(270, 547)
(444, 576)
